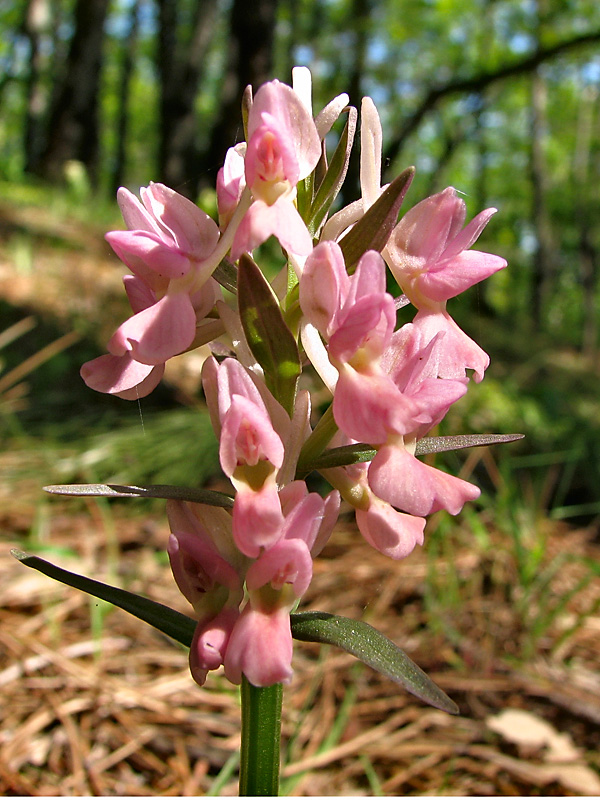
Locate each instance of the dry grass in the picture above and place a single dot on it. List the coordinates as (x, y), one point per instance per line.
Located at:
(116, 713)
(94, 702)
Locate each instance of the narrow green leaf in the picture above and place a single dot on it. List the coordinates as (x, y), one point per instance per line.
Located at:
(373, 649)
(373, 230)
(361, 452)
(178, 626)
(441, 444)
(162, 491)
(269, 338)
(335, 175)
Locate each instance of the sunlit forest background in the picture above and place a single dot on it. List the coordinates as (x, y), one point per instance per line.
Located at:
(498, 98)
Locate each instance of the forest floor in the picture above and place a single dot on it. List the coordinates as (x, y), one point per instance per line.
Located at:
(94, 702)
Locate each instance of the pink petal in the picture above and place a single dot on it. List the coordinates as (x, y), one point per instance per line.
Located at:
(139, 294)
(194, 232)
(270, 158)
(368, 408)
(118, 374)
(458, 274)
(158, 333)
(469, 234)
(210, 641)
(283, 103)
(260, 647)
(136, 217)
(324, 286)
(257, 519)
(392, 533)
(330, 516)
(412, 486)
(281, 220)
(457, 351)
(424, 231)
(365, 324)
(248, 437)
(287, 562)
(141, 251)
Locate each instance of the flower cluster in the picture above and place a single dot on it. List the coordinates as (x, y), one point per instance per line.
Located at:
(244, 568)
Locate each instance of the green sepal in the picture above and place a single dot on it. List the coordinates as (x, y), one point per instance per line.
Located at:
(335, 175)
(372, 648)
(178, 626)
(373, 230)
(269, 338)
(162, 491)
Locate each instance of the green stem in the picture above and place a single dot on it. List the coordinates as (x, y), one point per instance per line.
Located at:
(261, 736)
(323, 433)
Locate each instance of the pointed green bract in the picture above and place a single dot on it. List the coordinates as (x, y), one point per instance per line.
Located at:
(334, 177)
(373, 230)
(158, 490)
(360, 452)
(269, 338)
(372, 648)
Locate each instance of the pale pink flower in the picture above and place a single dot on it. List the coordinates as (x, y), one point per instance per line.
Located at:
(428, 254)
(283, 148)
(166, 246)
(250, 451)
(428, 251)
(209, 572)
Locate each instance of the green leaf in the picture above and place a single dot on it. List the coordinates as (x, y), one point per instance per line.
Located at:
(178, 626)
(159, 490)
(360, 452)
(373, 649)
(269, 338)
(226, 274)
(335, 175)
(442, 444)
(373, 230)
(355, 637)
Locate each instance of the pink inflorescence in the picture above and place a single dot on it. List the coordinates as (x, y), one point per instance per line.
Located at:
(244, 570)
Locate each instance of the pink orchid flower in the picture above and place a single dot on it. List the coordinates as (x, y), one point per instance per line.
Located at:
(250, 450)
(283, 148)
(209, 572)
(428, 251)
(168, 240)
(428, 254)
(260, 645)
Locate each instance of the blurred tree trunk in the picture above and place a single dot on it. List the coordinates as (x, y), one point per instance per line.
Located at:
(359, 22)
(72, 129)
(544, 253)
(585, 173)
(181, 61)
(249, 62)
(543, 256)
(37, 22)
(124, 90)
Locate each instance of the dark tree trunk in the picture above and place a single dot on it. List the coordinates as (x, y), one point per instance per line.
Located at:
(585, 170)
(180, 67)
(73, 121)
(249, 62)
(36, 25)
(127, 67)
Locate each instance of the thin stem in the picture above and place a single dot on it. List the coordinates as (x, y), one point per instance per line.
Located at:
(261, 737)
